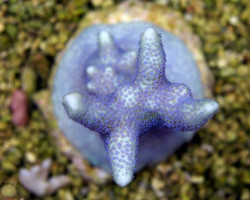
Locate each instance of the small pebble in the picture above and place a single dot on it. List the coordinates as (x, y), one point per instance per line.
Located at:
(8, 191)
(19, 106)
(196, 179)
(158, 186)
(30, 157)
(29, 80)
(233, 20)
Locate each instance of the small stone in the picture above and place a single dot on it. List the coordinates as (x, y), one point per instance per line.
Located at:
(2, 27)
(8, 191)
(30, 157)
(102, 3)
(234, 20)
(97, 3)
(65, 195)
(222, 63)
(84, 191)
(162, 2)
(158, 186)
(196, 179)
(28, 80)
(164, 169)
(231, 136)
(3, 126)
(19, 106)
(208, 148)
(245, 195)
(8, 166)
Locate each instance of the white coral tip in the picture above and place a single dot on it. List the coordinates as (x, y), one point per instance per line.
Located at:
(123, 179)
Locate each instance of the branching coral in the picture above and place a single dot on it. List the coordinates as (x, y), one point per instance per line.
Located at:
(36, 179)
(122, 113)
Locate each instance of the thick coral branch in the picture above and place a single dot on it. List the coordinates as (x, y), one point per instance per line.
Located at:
(86, 110)
(151, 60)
(107, 48)
(121, 146)
(195, 113)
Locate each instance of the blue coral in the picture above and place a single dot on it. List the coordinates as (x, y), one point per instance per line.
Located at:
(128, 98)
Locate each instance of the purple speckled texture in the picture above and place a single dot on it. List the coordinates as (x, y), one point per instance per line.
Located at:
(136, 85)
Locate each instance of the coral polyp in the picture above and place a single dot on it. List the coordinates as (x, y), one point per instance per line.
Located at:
(138, 88)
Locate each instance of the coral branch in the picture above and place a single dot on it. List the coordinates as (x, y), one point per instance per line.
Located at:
(151, 60)
(86, 110)
(107, 48)
(35, 179)
(121, 146)
(195, 113)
